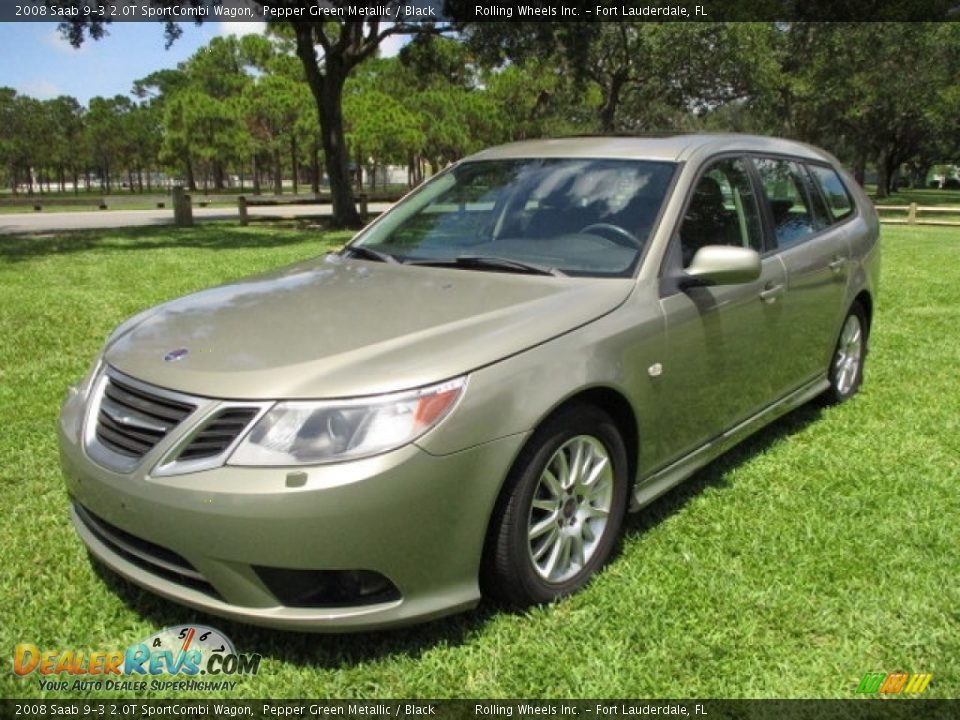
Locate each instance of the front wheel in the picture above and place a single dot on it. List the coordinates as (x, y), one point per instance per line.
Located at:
(560, 513)
(846, 365)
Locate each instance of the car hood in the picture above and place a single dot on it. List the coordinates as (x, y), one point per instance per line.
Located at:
(333, 327)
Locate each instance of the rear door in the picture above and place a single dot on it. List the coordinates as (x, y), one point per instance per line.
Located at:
(815, 252)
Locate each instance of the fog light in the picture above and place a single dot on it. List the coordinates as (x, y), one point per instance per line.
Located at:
(327, 588)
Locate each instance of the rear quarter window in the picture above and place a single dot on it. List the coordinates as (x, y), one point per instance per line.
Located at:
(839, 202)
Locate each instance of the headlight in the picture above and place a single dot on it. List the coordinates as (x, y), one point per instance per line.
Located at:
(303, 433)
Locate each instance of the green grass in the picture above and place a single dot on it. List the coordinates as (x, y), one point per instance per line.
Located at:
(921, 196)
(823, 548)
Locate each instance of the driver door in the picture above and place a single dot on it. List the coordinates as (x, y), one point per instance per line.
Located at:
(722, 341)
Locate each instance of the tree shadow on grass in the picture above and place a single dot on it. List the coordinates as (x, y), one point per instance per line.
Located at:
(334, 651)
(208, 236)
(715, 474)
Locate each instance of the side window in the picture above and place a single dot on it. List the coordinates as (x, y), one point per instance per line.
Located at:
(821, 216)
(793, 216)
(836, 193)
(722, 211)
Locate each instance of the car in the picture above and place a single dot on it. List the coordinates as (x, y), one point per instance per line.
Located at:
(467, 399)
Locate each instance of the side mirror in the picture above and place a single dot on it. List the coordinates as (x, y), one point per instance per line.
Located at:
(722, 265)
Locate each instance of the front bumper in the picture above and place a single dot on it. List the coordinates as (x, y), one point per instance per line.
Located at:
(417, 519)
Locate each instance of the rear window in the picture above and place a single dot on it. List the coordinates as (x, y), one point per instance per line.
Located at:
(839, 202)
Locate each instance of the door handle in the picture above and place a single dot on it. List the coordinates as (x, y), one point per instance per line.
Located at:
(837, 264)
(771, 292)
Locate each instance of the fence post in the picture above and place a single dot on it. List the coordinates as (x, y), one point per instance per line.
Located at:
(242, 209)
(182, 211)
(912, 214)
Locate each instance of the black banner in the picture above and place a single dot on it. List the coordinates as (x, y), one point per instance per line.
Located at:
(440, 11)
(133, 709)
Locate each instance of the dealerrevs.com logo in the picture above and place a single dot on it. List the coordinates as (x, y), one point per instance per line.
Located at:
(183, 650)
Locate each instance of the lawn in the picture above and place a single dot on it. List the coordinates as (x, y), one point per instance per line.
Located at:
(921, 196)
(823, 548)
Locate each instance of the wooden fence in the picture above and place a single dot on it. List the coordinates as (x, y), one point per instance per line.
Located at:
(913, 211)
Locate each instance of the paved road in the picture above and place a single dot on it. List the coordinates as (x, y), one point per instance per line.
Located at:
(38, 222)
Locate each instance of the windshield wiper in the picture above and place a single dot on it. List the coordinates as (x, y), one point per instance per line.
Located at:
(491, 262)
(361, 251)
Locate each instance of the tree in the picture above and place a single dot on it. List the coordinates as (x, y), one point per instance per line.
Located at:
(272, 106)
(9, 139)
(539, 99)
(342, 44)
(203, 134)
(871, 91)
(154, 92)
(108, 135)
(291, 114)
(380, 130)
(66, 143)
(643, 71)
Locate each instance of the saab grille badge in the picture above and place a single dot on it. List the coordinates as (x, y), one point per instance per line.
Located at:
(175, 355)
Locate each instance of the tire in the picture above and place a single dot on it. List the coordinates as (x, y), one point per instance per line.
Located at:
(846, 364)
(559, 515)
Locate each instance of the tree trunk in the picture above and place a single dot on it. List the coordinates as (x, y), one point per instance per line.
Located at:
(883, 177)
(277, 174)
(860, 169)
(218, 175)
(315, 169)
(608, 113)
(256, 176)
(191, 180)
(893, 165)
(327, 90)
(293, 163)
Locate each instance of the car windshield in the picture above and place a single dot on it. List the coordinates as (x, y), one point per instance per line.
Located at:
(586, 217)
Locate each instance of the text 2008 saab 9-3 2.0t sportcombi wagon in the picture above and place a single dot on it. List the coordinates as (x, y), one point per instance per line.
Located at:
(471, 394)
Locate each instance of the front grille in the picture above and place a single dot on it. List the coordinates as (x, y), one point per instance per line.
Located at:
(146, 555)
(218, 433)
(132, 421)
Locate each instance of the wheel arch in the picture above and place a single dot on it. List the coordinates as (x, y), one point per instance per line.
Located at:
(616, 405)
(865, 300)
(611, 401)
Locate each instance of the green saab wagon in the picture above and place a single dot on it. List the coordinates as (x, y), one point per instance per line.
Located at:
(470, 395)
